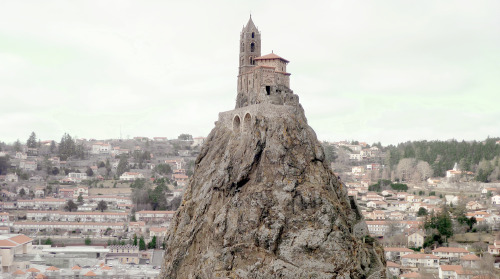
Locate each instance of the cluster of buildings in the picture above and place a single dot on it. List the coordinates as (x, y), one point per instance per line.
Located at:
(34, 209)
(393, 217)
(22, 258)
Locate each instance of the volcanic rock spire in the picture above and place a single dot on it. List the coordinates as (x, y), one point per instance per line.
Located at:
(263, 201)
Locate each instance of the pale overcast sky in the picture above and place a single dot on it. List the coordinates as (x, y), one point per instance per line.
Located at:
(387, 71)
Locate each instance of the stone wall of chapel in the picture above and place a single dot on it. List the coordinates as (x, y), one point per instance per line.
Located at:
(278, 64)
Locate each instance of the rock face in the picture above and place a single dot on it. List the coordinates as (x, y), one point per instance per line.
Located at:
(263, 203)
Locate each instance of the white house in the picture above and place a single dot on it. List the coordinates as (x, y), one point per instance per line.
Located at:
(12, 177)
(495, 200)
(100, 148)
(28, 165)
(454, 272)
(420, 260)
(12, 245)
(450, 253)
(77, 176)
(377, 228)
(416, 239)
(495, 248)
(128, 176)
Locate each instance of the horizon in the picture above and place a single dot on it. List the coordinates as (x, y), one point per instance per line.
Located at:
(363, 71)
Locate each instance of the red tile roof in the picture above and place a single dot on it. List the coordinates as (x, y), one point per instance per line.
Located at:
(450, 250)
(271, 56)
(451, 267)
(420, 256)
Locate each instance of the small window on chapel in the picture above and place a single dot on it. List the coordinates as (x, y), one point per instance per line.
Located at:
(253, 34)
(252, 47)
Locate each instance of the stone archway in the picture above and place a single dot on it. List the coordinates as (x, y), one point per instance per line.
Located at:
(247, 120)
(236, 123)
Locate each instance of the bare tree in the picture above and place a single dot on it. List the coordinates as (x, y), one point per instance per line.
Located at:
(406, 168)
(424, 169)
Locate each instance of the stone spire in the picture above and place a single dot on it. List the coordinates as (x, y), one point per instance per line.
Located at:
(250, 25)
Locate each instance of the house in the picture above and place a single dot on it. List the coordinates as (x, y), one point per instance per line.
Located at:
(100, 148)
(12, 177)
(386, 193)
(376, 215)
(420, 260)
(470, 261)
(81, 190)
(433, 181)
(432, 200)
(377, 228)
(28, 165)
(88, 227)
(12, 246)
(36, 178)
(402, 195)
(355, 156)
(393, 268)
(130, 176)
(137, 227)
(396, 216)
(410, 275)
(198, 141)
(117, 151)
(416, 239)
(41, 215)
(450, 253)
(154, 216)
(55, 162)
(159, 232)
(176, 164)
(358, 170)
(473, 205)
(21, 156)
(160, 139)
(7, 194)
(454, 272)
(4, 217)
(495, 200)
(125, 254)
(492, 190)
(180, 178)
(372, 196)
(66, 193)
(376, 204)
(77, 176)
(495, 248)
(398, 206)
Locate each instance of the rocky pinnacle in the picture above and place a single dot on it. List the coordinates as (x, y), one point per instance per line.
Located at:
(264, 203)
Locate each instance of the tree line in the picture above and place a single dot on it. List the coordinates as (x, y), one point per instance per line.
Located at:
(442, 155)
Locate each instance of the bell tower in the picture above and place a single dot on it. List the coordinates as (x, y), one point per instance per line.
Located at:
(249, 46)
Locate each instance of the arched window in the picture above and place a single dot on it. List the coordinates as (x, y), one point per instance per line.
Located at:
(253, 35)
(252, 47)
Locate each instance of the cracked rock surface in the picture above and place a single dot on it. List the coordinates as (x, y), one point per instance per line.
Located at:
(263, 203)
